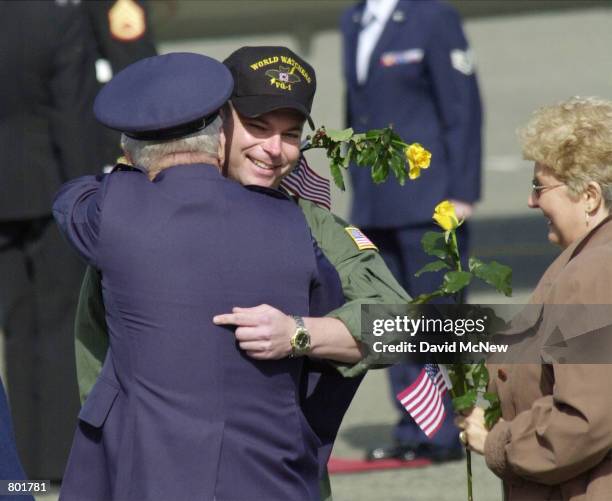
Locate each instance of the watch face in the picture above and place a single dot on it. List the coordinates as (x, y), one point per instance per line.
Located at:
(302, 339)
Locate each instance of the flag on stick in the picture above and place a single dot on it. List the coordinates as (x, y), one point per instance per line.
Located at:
(423, 398)
(306, 183)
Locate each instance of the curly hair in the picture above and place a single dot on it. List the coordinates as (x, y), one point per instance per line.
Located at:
(574, 139)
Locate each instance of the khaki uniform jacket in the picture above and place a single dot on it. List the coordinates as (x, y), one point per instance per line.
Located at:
(556, 437)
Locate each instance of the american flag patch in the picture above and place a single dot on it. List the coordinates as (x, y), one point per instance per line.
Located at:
(361, 241)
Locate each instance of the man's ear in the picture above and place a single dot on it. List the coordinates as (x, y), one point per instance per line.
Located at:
(227, 130)
(221, 151)
(128, 157)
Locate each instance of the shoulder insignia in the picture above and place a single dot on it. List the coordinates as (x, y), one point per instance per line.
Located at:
(126, 20)
(462, 61)
(361, 241)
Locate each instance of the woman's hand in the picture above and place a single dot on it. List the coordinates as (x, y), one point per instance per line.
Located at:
(474, 427)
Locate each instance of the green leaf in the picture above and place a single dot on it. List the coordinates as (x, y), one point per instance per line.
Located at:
(395, 136)
(433, 244)
(493, 413)
(380, 170)
(340, 135)
(454, 281)
(474, 263)
(433, 266)
(456, 372)
(490, 397)
(337, 175)
(346, 160)
(495, 274)
(465, 401)
(361, 156)
(367, 156)
(354, 151)
(480, 375)
(374, 133)
(451, 239)
(398, 167)
(386, 136)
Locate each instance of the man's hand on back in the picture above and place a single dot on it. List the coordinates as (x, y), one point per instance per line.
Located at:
(263, 332)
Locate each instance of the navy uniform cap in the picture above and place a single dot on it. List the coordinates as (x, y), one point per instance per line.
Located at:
(164, 97)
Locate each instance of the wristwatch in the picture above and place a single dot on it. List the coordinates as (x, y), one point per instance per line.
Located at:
(300, 341)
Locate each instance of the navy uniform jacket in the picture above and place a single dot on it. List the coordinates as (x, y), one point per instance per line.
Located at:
(421, 81)
(191, 417)
(47, 86)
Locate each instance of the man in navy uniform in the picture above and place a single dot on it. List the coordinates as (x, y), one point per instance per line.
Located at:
(407, 64)
(180, 411)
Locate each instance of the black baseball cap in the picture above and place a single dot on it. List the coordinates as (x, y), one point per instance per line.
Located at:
(271, 78)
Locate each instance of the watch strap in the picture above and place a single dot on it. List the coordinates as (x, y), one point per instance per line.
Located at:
(299, 321)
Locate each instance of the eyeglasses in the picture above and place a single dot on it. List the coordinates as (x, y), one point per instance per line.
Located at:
(538, 189)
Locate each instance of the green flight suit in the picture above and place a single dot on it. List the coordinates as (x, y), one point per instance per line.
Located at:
(364, 276)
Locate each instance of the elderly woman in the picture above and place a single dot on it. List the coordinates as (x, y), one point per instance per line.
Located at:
(555, 438)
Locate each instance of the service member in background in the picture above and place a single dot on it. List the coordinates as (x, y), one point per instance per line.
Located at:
(48, 83)
(263, 128)
(407, 63)
(122, 35)
(48, 76)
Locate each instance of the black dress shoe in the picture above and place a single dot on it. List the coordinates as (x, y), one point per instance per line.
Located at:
(403, 452)
(409, 452)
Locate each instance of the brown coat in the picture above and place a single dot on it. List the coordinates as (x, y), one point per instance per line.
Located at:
(555, 441)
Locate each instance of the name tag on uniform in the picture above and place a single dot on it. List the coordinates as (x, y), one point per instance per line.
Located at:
(409, 56)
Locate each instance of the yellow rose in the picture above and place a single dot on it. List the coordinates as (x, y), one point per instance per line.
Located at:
(444, 215)
(418, 158)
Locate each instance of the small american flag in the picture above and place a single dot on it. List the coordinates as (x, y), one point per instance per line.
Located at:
(423, 398)
(307, 184)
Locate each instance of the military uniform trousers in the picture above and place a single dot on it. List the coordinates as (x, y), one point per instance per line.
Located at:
(39, 286)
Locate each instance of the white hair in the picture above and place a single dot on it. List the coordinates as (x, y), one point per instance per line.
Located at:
(149, 154)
